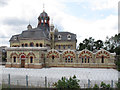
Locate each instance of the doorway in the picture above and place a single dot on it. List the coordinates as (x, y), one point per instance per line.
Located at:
(22, 63)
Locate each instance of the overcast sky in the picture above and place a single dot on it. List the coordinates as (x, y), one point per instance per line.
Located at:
(85, 18)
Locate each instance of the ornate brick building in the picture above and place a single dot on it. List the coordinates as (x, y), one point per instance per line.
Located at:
(45, 46)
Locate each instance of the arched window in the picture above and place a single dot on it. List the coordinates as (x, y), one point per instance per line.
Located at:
(31, 59)
(41, 45)
(66, 60)
(42, 21)
(59, 37)
(37, 45)
(102, 61)
(45, 21)
(31, 44)
(63, 46)
(59, 46)
(22, 45)
(69, 46)
(85, 59)
(26, 45)
(71, 60)
(88, 60)
(53, 58)
(82, 60)
(69, 37)
(14, 59)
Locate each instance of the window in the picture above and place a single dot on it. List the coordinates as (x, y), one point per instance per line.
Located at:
(26, 45)
(71, 59)
(59, 37)
(42, 21)
(31, 44)
(68, 46)
(88, 60)
(66, 60)
(69, 37)
(82, 60)
(59, 46)
(63, 46)
(85, 59)
(102, 59)
(14, 59)
(53, 58)
(45, 21)
(31, 59)
(37, 45)
(41, 45)
(22, 45)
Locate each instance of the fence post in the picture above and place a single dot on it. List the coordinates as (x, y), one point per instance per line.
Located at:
(111, 83)
(17, 82)
(45, 82)
(9, 79)
(88, 83)
(26, 80)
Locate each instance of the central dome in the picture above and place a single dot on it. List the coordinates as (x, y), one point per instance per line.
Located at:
(43, 14)
(43, 21)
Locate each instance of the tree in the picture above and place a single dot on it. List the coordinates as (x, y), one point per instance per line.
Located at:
(91, 44)
(72, 82)
(113, 44)
(118, 84)
(117, 50)
(87, 44)
(81, 46)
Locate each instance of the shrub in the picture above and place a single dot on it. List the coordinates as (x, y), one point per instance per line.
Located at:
(105, 86)
(72, 82)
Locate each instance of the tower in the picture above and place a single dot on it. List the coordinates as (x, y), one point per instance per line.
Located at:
(52, 36)
(43, 21)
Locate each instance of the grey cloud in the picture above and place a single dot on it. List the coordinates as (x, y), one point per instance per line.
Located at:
(15, 21)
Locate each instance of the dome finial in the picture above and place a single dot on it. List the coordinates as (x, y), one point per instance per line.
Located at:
(29, 27)
(43, 7)
(52, 21)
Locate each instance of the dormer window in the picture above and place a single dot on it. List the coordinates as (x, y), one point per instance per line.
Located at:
(15, 38)
(69, 37)
(59, 37)
(45, 21)
(42, 21)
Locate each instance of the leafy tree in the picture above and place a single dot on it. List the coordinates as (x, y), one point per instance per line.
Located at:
(117, 50)
(72, 82)
(91, 44)
(81, 46)
(118, 62)
(87, 44)
(113, 44)
(118, 84)
(98, 44)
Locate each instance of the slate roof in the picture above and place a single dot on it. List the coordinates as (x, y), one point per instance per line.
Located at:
(35, 33)
(38, 33)
(64, 36)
